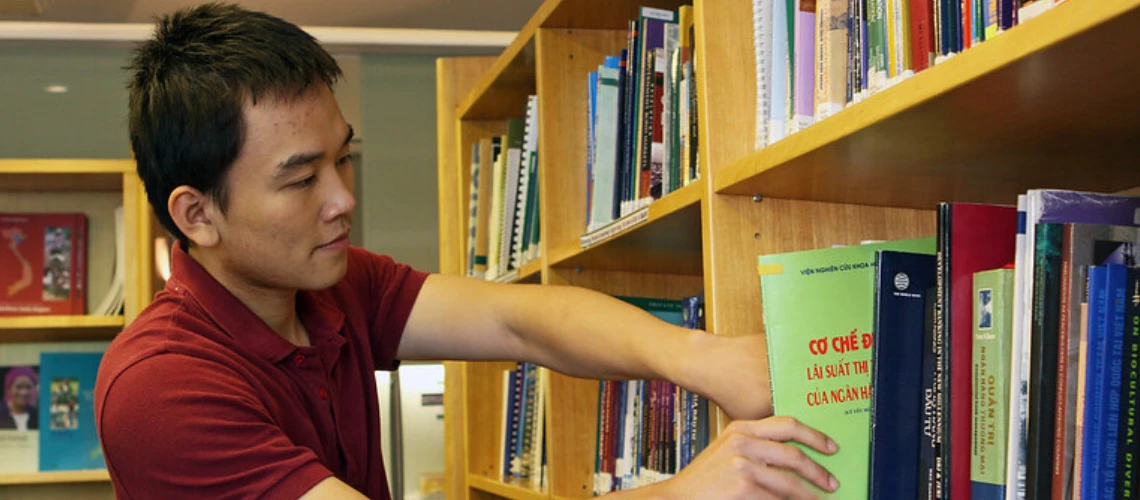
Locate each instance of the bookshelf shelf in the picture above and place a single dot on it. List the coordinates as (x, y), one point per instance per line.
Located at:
(33, 478)
(668, 241)
(58, 328)
(63, 175)
(1052, 102)
(505, 490)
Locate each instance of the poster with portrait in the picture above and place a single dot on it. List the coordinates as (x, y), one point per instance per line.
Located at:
(19, 418)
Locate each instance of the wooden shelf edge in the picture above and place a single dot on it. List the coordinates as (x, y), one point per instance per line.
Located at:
(530, 269)
(60, 322)
(1060, 23)
(503, 489)
(525, 36)
(57, 477)
(684, 197)
(66, 166)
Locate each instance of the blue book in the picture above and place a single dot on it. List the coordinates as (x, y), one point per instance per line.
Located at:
(1094, 393)
(68, 438)
(1110, 377)
(904, 290)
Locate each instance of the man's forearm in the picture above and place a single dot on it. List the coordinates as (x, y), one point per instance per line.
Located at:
(592, 335)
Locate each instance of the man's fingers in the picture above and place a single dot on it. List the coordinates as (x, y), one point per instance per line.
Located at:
(779, 482)
(786, 429)
(784, 456)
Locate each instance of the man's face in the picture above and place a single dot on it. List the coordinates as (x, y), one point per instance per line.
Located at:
(289, 195)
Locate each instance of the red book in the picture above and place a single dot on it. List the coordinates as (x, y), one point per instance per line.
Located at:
(971, 238)
(43, 261)
(921, 34)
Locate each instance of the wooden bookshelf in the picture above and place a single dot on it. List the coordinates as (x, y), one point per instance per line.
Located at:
(1049, 103)
(62, 477)
(94, 187)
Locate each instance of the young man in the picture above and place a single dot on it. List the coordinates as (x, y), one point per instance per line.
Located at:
(251, 374)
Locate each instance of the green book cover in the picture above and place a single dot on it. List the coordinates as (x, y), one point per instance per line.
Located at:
(818, 311)
(993, 327)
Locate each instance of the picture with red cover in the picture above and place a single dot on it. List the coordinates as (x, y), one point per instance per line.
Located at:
(42, 260)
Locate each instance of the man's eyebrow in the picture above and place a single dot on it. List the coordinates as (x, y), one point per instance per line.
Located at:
(299, 159)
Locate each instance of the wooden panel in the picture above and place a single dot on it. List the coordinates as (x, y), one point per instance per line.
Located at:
(726, 80)
(60, 182)
(138, 249)
(70, 491)
(565, 57)
(454, 425)
(58, 328)
(496, 95)
(668, 242)
(497, 489)
(741, 229)
(573, 410)
(1045, 104)
(80, 476)
(454, 78)
(484, 413)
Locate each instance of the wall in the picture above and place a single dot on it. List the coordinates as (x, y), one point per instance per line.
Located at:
(89, 121)
(390, 99)
(400, 204)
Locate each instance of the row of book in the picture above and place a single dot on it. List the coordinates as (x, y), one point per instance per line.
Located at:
(648, 430)
(815, 57)
(43, 265)
(523, 455)
(503, 224)
(48, 420)
(642, 126)
(995, 360)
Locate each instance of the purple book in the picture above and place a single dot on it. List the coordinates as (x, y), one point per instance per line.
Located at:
(805, 67)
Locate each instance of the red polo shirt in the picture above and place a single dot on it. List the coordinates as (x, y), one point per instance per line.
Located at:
(199, 398)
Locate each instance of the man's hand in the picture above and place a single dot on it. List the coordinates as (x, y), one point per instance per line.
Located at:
(751, 460)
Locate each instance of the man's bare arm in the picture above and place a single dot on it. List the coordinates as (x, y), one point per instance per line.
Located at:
(332, 488)
(582, 333)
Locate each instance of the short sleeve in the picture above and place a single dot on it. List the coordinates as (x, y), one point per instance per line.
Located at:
(176, 426)
(390, 289)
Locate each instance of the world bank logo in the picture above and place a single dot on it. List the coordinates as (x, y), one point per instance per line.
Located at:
(902, 282)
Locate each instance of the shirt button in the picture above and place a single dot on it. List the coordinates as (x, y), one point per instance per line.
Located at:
(323, 393)
(299, 359)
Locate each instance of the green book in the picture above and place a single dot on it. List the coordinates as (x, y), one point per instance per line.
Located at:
(993, 327)
(818, 310)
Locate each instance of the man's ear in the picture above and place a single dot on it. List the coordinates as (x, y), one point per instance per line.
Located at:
(194, 214)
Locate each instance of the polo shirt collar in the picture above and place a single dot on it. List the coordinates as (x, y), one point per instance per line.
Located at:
(239, 322)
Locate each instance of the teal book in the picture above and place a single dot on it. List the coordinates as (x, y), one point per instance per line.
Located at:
(68, 438)
(819, 309)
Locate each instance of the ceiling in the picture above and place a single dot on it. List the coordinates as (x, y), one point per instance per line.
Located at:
(492, 15)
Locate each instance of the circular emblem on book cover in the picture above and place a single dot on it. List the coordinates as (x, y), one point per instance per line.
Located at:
(902, 281)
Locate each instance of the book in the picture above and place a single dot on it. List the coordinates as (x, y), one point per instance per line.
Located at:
(993, 326)
(43, 258)
(971, 238)
(68, 438)
(19, 430)
(818, 310)
(904, 297)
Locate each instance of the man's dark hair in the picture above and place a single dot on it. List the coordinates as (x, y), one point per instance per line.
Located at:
(187, 87)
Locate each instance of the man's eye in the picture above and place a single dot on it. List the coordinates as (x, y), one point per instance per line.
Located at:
(306, 182)
(344, 160)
